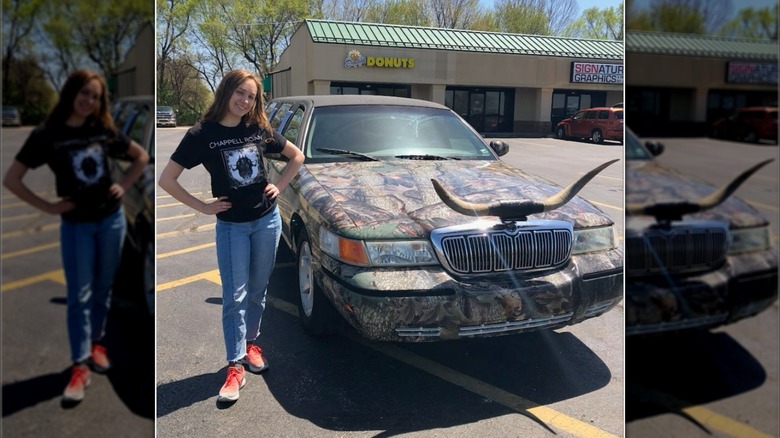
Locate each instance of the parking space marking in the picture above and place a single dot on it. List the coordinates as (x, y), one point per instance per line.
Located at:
(762, 205)
(212, 276)
(702, 415)
(27, 251)
(171, 218)
(186, 250)
(601, 204)
(57, 276)
(21, 217)
(195, 229)
(525, 407)
(27, 231)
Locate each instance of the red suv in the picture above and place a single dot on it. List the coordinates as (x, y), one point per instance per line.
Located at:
(749, 124)
(597, 124)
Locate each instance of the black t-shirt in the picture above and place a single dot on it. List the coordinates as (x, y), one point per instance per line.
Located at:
(78, 156)
(233, 156)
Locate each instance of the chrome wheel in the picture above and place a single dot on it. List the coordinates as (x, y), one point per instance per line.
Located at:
(305, 280)
(597, 138)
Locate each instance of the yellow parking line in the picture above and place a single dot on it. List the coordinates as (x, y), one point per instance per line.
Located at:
(764, 206)
(185, 250)
(28, 231)
(512, 401)
(29, 250)
(180, 232)
(210, 275)
(57, 276)
(171, 218)
(21, 217)
(723, 423)
(605, 205)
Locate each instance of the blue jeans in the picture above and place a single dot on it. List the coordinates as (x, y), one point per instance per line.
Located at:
(91, 252)
(246, 253)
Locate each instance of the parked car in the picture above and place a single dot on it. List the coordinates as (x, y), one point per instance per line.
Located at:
(597, 124)
(695, 256)
(166, 116)
(749, 124)
(406, 223)
(11, 116)
(133, 117)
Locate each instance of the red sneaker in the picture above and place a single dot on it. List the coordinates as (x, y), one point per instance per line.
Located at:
(99, 358)
(235, 381)
(254, 359)
(79, 380)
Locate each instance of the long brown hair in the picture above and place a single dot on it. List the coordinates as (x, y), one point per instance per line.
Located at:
(64, 107)
(230, 81)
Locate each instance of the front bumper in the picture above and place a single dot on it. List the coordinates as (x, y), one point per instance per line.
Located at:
(744, 286)
(427, 304)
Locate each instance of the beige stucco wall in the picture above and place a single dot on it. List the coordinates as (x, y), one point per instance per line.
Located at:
(689, 78)
(137, 73)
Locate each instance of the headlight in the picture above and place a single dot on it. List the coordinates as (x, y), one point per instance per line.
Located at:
(593, 239)
(380, 253)
(749, 239)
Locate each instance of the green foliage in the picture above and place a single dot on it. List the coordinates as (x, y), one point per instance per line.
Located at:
(29, 90)
(405, 12)
(753, 23)
(595, 23)
(522, 17)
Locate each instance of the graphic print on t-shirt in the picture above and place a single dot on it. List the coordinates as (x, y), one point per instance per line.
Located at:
(243, 165)
(88, 164)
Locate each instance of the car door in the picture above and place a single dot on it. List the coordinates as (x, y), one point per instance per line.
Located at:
(287, 121)
(576, 128)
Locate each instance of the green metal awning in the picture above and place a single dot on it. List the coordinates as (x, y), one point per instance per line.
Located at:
(700, 45)
(388, 35)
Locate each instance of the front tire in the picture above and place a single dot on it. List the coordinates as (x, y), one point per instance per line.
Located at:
(315, 311)
(560, 133)
(597, 137)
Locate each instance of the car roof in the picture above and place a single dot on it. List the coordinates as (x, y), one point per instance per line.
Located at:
(354, 99)
(758, 108)
(600, 108)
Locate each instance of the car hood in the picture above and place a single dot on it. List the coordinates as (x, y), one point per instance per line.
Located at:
(647, 182)
(396, 199)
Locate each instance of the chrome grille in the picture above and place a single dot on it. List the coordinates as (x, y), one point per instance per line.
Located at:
(524, 246)
(681, 248)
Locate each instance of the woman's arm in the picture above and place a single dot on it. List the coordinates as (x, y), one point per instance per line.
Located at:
(169, 181)
(13, 182)
(140, 159)
(296, 161)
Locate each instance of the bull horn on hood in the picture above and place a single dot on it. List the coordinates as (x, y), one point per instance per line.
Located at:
(516, 209)
(669, 211)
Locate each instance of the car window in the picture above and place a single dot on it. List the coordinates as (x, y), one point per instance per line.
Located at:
(590, 114)
(137, 129)
(387, 131)
(604, 114)
(579, 115)
(634, 148)
(277, 118)
(269, 109)
(618, 114)
(291, 132)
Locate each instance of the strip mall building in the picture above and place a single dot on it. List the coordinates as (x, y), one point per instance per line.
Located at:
(500, 83)
(679, 84)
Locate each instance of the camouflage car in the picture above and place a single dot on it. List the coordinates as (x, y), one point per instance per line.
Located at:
(405, 223)
(696, 257)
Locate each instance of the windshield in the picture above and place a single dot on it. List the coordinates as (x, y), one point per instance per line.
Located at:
(391, 132)
(634, 148)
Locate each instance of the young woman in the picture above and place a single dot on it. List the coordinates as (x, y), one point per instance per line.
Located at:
(75, 142)
(229, 142)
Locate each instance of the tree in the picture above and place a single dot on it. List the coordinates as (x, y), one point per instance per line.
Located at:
(404, 12)
(454, 14)
(753, 23)
(595, 23)
(19, 20)
(343, 10)
(29, 89)
(101, 31)
(173, 22)
(535, 17)
(680, 16)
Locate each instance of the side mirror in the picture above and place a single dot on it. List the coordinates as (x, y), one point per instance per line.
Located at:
(656, 148)
(499, 147)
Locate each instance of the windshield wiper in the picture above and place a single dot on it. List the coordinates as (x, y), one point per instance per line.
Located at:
(353, 154)
(425, 157)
